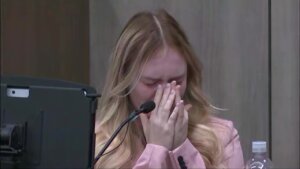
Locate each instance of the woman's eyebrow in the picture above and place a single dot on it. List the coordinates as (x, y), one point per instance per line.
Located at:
(149, 78)
(179, 77)
(154, 78)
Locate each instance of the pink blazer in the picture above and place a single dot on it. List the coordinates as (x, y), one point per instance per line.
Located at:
(155, 156)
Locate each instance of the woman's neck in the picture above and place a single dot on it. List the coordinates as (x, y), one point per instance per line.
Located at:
(141, 134)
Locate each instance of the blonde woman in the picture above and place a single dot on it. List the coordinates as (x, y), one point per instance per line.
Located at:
(153, 60)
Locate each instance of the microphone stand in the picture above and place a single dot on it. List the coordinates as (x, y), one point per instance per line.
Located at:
(145, 108)
(130, 117)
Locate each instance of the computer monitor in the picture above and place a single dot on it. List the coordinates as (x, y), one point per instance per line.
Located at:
(46, 123)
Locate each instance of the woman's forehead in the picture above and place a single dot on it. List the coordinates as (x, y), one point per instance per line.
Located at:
(165, 63)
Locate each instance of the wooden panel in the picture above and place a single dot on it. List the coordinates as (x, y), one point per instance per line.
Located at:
(285, 83)
(231, 39)
(46, 38)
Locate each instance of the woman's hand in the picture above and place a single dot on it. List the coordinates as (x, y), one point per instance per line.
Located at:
(159, 128)
(166, 126)
(181, 125)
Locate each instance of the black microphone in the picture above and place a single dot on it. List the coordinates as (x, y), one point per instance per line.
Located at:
(181, 162)
(146, 107)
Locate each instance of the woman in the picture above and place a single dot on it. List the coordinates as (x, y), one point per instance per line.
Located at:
(153, 60)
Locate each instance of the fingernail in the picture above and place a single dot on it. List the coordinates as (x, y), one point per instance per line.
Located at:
(168, 85)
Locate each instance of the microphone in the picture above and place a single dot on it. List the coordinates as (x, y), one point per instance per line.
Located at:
(146, 107)
(181, 162)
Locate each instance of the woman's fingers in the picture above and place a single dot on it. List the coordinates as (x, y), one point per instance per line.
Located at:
(166, 109)
(168, 97)
(177, 90)
(157, 98)
(161, 126)
(173, 116)
(181, 125)
(186, 109)
(180, 112)
(165, 95)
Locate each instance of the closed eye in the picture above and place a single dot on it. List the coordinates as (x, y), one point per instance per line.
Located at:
(151, 84)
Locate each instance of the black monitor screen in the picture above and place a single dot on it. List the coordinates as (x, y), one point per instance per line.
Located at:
(46, 123)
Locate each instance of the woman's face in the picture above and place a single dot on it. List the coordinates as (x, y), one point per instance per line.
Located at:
(164, 67)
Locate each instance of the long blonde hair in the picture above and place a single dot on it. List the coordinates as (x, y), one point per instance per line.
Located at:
(145, 34)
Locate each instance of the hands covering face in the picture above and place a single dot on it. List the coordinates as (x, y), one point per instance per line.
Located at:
(167, 126)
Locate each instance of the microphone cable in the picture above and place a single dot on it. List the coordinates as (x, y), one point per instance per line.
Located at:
(119, 143)
(144, 108)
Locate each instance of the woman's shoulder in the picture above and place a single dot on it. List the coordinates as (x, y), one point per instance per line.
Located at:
(224, 129)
